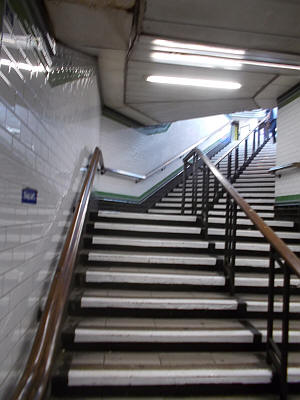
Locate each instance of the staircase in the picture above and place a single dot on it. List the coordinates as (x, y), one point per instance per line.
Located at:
(151, 315)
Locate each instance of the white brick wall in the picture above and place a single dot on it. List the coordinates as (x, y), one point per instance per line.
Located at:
(45, 136)
(127, 149)
(288, 148)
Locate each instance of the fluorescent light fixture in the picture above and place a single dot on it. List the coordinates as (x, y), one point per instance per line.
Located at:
(196, 47)
(270, 64)
(206, 83)
(195, 60)
(211, 62)
(22, 66)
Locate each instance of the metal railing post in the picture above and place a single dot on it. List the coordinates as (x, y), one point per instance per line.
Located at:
(285, 333)
(184, 187)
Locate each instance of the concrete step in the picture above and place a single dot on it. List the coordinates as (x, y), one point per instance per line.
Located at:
(148, 330)
(251, 200)
(153, 276)
(146, 228)
(165, 369)
(157, 300)
(276, 223)
(259, 303)
(259, 207)
(255, 246)
(149, 242)
(153, 217)
(253, 233)
(151, 258)
(241, 214)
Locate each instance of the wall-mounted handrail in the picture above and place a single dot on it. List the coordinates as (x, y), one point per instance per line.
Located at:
(284, 166)
(139, 177)
(34, 381)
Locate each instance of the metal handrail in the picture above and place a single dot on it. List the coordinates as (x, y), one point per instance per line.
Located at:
(278, 244)
(139, 177)
(34, 381)
(240, 141)
(280, 253)
(284, 166)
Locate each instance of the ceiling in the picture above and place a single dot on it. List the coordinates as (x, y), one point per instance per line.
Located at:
(122, 37)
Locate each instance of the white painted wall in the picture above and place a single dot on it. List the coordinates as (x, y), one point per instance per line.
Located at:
(45, 135)
(288, 148)
(126, 149)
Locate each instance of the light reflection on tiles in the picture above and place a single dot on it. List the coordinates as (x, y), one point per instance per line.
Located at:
(41, 144)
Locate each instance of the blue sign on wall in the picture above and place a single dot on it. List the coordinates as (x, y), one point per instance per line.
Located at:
(29, 196)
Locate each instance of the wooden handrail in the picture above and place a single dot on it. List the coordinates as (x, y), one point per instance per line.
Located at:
(34, 381)
(284, 166)
(283, 250)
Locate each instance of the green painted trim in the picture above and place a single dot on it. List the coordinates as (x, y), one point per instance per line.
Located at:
(137, 199)
(283, 199)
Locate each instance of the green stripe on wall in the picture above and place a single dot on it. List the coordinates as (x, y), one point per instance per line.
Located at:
(284, 199)
(137, 199)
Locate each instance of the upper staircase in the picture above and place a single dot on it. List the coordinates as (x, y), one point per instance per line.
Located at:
(151, 312)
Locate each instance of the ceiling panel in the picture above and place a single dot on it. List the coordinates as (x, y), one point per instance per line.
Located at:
(138, 90)
(167, 111)
(268, 16)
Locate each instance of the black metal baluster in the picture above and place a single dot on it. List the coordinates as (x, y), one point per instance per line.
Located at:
(194, 185)
(246, 150)
(229, 166)
(184, 187)
(236, 161)
(271, 306)
(253, 143)
(205, 197)
(285, 334)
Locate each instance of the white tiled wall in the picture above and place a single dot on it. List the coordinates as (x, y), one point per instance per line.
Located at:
(126, 149)
(288, 148)
(45, 136)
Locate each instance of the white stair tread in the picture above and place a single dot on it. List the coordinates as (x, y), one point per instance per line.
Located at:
(161, 276)
(165, 211)
(261, 305)
(261, 191)
(259, 185)
(130, 215)
(254, 206)
(257, 194)
(147, 228)
(162, 336)
(241, 214)
(150, 242)
(168, 369)
(175, 205)
(259, 280)
(252, 262)
(167, 376)
(254, 201)
(157, 300)
(254, 246)
(254, 233)
(246, 221)
(188, 199)
(152, 257)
